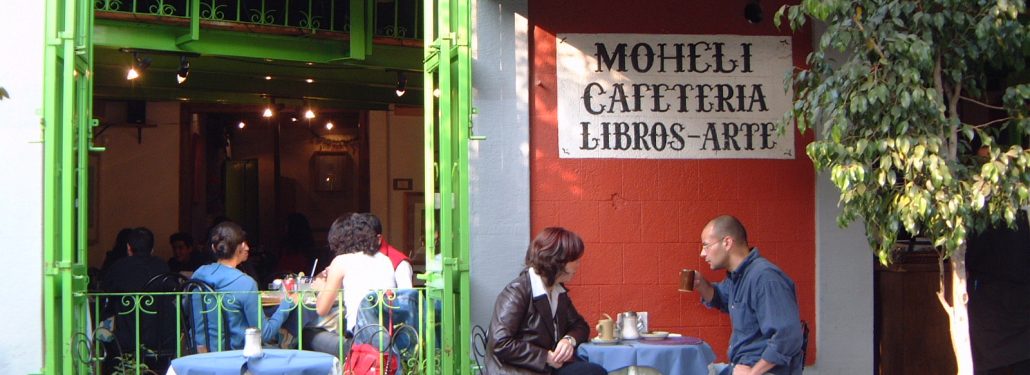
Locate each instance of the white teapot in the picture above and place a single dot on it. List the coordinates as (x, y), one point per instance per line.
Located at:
(628, 329)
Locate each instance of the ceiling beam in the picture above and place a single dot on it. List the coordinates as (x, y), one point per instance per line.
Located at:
(126, 34)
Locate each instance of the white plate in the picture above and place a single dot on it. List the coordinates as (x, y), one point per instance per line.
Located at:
(600, 341)
(654, 336)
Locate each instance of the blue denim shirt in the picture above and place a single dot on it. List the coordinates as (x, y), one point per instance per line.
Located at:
(763, 308)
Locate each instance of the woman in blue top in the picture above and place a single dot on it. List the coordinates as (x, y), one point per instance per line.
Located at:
(241, 310)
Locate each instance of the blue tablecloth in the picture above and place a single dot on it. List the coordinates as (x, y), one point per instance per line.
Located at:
(667, 359)
(275, 361)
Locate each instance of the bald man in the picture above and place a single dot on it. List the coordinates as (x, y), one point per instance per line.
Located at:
(760, 299)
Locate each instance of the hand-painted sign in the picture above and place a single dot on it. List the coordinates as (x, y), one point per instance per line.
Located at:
(640, 96)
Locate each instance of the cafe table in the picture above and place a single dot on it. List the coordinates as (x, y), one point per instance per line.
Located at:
(274, 361)
(670, 356)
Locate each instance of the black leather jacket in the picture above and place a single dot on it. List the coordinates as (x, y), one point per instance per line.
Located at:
(522, 329)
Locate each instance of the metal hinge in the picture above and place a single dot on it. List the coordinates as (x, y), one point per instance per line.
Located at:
(58, 267)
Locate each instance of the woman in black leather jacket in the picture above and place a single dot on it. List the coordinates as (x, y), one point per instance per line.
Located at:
(535, 328)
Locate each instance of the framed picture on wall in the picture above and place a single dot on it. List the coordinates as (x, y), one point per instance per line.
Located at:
(330, 171)
(403, 183)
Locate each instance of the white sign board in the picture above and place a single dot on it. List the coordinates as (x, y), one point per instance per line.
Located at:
(644, 96)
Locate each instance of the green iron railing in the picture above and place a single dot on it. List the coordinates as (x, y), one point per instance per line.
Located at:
(394, 18)
(404, 310)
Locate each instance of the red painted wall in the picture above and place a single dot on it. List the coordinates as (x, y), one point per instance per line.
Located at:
(642, 219)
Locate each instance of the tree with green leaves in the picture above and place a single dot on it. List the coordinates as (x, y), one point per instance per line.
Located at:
(923, 124)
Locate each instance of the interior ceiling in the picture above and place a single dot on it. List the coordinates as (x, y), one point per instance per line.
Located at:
(239, 80)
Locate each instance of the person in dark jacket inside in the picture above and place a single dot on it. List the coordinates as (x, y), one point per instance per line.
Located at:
(535, 328)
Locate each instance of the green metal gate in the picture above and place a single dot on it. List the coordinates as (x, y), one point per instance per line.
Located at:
(67, 137)
(448, 111)
(68, 141)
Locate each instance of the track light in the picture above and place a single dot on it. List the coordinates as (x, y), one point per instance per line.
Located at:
(267, 112)
(329, 126)
(184, 69)
(139, 64)
(753, 12)
(402, 84)
(241, 125)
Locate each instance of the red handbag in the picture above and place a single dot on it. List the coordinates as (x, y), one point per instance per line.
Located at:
(365, 359)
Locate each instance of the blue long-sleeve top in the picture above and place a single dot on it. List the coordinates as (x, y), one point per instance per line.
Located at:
(241, 310)
(763, 308)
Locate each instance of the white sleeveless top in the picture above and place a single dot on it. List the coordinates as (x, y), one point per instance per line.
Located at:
(363, 273)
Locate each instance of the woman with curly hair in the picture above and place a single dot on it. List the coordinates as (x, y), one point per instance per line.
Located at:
(358, 268)
(535, 328)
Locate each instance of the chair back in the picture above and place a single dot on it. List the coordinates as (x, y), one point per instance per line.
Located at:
(804, 342)
(158, 331)
(479, 348)
(401, 322)
(200, 317)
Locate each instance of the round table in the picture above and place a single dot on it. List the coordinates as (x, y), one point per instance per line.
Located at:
(672, 356)
(274, 361)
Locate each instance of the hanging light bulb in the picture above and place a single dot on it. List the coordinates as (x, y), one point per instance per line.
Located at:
(329, 126)
(184, 70)
(241, 125)
(268, 108)
(402, 84)
(133, 73)
(308, 112)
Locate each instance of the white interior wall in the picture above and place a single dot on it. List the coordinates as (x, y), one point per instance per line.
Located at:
(139, 180)
(498, 166)
(396, 152)
(21, 230)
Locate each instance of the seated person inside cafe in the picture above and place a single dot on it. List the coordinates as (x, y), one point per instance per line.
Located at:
(241, 310)
(184, 257)
(402, 269)
(760, 299)
(130, 274)
(358, 269)
(535, 328)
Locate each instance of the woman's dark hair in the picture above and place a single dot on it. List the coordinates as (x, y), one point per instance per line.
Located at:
(353, 233)
(225, 238)
(551, 250)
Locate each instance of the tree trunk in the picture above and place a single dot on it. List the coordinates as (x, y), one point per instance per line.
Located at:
(957, 312)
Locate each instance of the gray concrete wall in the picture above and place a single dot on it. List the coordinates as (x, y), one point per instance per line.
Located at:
(21, 230)
(844, 284)
(499, 166)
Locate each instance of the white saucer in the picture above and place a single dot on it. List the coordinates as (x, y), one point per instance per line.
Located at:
(600, 341)
(654, 335)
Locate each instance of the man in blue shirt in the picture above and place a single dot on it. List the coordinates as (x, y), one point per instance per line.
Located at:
(760, 299)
